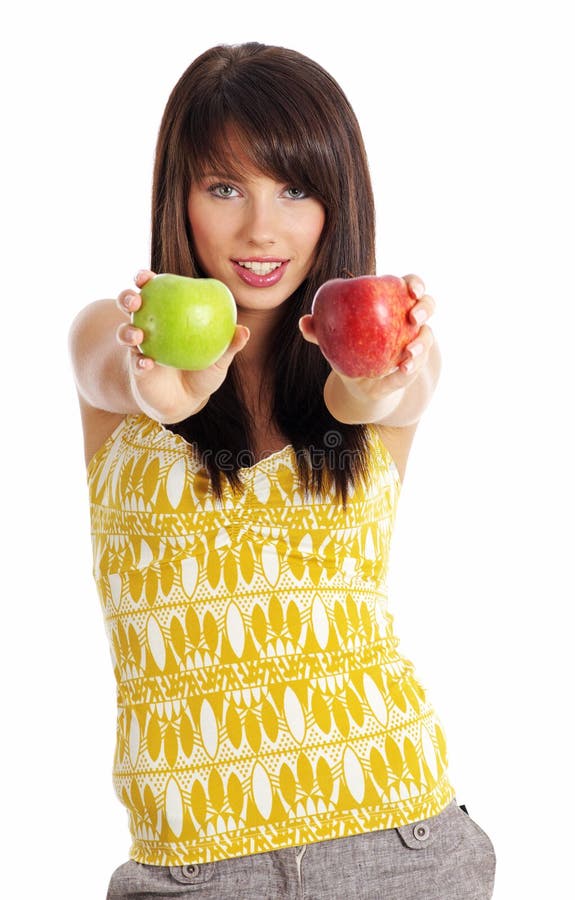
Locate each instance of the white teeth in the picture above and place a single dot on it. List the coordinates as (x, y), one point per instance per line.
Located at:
(260, 268)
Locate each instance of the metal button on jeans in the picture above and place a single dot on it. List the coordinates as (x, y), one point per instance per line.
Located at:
(421, 831)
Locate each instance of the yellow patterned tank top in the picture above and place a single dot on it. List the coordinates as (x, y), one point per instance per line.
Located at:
(262, 699)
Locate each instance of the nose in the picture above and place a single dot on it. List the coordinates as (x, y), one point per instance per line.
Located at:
(260, 222)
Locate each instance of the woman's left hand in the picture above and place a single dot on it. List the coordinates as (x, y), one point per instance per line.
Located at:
(413, 360)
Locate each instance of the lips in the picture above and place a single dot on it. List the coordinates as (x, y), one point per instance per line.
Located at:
(260, 272)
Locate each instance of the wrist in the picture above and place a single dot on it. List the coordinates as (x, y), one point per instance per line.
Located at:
(351, 406)
(159, 393)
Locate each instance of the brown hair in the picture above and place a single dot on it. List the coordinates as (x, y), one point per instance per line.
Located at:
(294, 123)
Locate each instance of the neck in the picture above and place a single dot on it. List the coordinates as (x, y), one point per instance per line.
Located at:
(261, 323)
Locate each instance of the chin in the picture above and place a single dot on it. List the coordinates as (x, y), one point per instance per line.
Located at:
(261, 298)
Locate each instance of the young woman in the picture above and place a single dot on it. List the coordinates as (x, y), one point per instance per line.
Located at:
(272, 741)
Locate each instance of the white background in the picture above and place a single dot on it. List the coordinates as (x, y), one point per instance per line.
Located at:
(467, 112)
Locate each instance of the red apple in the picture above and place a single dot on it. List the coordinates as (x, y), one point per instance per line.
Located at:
(362, 324)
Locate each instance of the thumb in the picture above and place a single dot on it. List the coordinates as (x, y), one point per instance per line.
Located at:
(240, 339)
(307, 328)
(238, 342)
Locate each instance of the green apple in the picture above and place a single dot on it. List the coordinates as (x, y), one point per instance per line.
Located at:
(187, 322)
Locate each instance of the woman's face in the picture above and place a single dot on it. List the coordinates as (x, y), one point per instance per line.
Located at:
(257, 235)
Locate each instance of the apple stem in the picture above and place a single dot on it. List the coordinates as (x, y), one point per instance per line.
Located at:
(347, 273)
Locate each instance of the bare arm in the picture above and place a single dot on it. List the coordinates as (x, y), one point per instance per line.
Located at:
(398, 398)
(112, 376)
(100, 363)
(401, 406)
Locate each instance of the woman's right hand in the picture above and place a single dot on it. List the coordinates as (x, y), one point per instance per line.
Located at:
(163, 393)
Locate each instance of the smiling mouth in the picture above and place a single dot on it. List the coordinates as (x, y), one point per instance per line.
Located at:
(259, 267)
(260, 273)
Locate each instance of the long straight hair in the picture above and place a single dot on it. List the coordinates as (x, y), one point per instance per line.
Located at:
(293, 123)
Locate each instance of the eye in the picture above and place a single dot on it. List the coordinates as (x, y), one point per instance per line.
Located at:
(295, 193)
(221, 190)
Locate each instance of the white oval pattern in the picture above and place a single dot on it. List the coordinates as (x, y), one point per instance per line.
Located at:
(146, 555)
(174, 807)
(175, 482)
(235, 629)
(209, 728)
(429, 751)
(134, 739)
(115, 582)
(156, 642)
(294, 714)
(320, 622)
(353, 771)
(262, 790)
(189, 575)
(270, 563)
(375, 699)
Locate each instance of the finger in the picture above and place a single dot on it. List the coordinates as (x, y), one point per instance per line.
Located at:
(129, 301)
(414, 350)
(422, 310)
(137, 362)
(417, 350)
(141, 363)
(400, 378)
(143, 276)
(307, 328)
(240, 338)
(421, 342)
(415, 286)
(129, 335)
(239, 341)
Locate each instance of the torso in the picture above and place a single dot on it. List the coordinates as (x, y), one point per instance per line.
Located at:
(277, 588)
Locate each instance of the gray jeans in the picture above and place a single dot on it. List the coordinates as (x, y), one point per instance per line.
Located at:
(447, 857)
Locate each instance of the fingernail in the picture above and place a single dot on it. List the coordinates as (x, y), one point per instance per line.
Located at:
(416, 349)
(129, 301)
(407, 366)
(138, 274)
(420, 315)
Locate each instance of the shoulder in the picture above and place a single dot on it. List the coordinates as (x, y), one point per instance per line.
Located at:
(97, 426)
(398, 441)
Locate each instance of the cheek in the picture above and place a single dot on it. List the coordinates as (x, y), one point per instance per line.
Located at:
(202, 231)
(200, 236)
